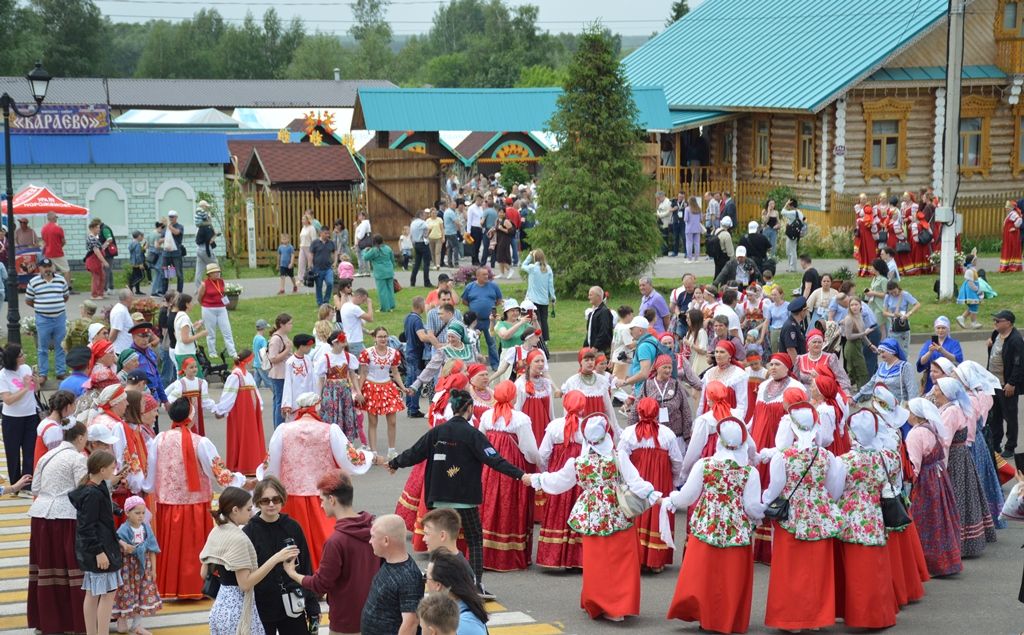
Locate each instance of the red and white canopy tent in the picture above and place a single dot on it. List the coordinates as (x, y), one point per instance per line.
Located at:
(36, 199)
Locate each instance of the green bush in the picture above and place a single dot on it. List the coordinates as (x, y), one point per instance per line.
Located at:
(512, 174)
(780, 195)
(834, 243)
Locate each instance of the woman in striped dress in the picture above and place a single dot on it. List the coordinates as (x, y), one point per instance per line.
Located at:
(981, 385)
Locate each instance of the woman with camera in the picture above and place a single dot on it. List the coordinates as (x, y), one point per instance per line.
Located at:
(279, 601)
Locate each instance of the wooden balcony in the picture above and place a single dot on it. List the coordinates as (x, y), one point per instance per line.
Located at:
(694, 180)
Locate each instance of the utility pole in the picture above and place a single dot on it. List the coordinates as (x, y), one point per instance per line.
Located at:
(945, 214)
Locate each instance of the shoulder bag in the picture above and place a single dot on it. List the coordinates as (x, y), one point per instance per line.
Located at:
(294, 601)
(903, 247)
(629, 503)
(778, 509)
(894, 508)
(211, 584)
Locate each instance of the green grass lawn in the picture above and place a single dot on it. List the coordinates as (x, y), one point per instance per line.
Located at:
(568, 324)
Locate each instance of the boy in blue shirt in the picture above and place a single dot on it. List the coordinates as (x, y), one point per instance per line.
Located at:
(286, 263)
(259, 350)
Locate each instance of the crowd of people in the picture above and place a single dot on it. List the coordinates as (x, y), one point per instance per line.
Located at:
(793, 429)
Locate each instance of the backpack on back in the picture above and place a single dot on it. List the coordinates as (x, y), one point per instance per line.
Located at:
(660, 349)
(714, 245)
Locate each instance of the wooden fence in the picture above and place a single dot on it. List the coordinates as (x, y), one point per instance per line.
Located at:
(281, 212)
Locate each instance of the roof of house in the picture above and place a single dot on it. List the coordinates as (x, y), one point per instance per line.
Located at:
(776, 54)
(475, 142)
(523, 109)
(301, 163)
(934, 73)
(124, 93)
(201, 117)
(144, 148)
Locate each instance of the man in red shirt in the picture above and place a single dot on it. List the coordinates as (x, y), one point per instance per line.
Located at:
(513, 215)
(53, 246)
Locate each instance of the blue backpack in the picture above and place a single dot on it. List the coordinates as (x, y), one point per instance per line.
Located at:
(659, 349)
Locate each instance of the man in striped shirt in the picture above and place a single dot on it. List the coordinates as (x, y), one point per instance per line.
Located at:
(48, 293)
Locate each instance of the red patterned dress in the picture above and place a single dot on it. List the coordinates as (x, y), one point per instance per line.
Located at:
(380, 395)
(865, 247)
(559, 546)
(534, 399)
(1010, 254)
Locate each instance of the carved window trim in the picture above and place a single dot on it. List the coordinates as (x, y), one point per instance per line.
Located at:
(805, 158)
(887, 109)
(762, 169)
(978, 107)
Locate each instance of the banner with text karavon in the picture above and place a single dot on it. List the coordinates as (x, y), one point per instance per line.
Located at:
(63, 119)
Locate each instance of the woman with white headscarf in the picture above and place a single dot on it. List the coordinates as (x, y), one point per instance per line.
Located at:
(801, 586)
(940, 346)
(981, 385)
(934, 506)
(894, 371)
(957, 416)
(906, 556)
(867, 599)
(716, 579)
(611, 561)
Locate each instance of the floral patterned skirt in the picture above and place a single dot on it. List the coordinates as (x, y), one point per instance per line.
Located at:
(988, 477)
(937, 520)
(382, 399)
(138, 594)
(227, 612)
(337, 407)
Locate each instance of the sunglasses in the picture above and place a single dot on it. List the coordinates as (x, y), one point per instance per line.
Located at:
(273, 500)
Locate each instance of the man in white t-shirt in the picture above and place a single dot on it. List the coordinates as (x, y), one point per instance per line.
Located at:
(352, 317)
(362, 235)
(474, 220)
(121, 321)
(727, 307)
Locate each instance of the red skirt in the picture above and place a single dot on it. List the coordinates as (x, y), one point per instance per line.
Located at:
(558, 545)
(611, 575)
(538, 409)
(840, 442)
(1010, 254)
(867, 599)
(506, 514)
(592, 406)
(864, 250)
(654, 467)
(801, 586)
(409, 501)
(246, 446)
(765, 424)
(714, 588)
(306, 511)
(382, 398)
(55, 595)
(909, 568)
(920, 257)
(181, 532)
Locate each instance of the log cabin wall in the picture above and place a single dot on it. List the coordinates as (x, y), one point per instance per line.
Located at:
(782, 144)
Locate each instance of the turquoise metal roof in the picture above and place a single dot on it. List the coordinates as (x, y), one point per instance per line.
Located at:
(934, 73)
(779, 54)
(687, 119)
(521, 109)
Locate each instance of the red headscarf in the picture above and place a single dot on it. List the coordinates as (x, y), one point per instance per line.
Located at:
(731, 348)
(532, 355)
(647, 424)
(601, 357)
(99, 348)
(455, 381)
(717, 395)
(185, 362)
(583, 353)
(474, 370)
(188, 454)
(829, 389)
(811, 334)
(785, 360)
(130, 444)
(662, 360)
(574, 402)
(242, 363)
(793, 395)
(309, 411)
(504, 395)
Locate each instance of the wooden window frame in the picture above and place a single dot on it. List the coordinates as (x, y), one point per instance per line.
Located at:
(1016, 163)
(724, 144)
(1001, 31)
(759, 169)
(978, 107)
(801, 171)
(887, 109)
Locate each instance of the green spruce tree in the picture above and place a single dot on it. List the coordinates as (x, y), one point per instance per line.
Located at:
(595, 225)
(679, 9)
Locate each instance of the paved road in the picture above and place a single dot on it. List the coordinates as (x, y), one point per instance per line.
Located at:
(982, 599)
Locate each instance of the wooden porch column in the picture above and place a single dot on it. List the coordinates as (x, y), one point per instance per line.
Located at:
(735, 142)
(824, 158)
(679, 155)
(839, 179)
(940, 126)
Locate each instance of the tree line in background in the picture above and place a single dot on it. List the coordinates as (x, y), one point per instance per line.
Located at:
(482, 43)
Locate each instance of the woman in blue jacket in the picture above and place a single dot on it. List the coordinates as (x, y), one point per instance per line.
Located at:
(540, 286)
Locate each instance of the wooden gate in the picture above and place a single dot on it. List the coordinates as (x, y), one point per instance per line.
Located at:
(398, 184)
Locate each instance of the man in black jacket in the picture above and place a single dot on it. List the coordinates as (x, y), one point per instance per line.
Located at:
(599, 322)
(740, 270)
(757, 244)
(456, 453)
(1006, 361)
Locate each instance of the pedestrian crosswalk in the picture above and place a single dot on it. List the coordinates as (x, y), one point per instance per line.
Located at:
(176, 618)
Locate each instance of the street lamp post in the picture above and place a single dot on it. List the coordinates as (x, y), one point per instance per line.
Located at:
(39, 80)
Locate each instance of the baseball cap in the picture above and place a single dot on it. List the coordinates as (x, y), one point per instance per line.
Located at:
(136, 376)
(444, 277)
(640, 322)
(752, 227)
(741, 252)
(172, 213)
(45, 262)
(261, 324)
(1005, 314)
(727, 222)
(102, 434)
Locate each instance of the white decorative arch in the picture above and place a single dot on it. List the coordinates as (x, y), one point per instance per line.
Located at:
(119, 223)
(184, 215)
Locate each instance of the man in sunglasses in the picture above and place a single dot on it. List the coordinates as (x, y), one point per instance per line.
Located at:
(1006, 361)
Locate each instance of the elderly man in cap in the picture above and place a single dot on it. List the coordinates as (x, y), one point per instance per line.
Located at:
(740, 271)
(1006, 362)
(725, 249)
(147, 359)
(25, 236)
(792, 339)
(213, 300)
(176, 255)
(47, 293)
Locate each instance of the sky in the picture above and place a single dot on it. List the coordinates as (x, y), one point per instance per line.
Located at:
(406, 16)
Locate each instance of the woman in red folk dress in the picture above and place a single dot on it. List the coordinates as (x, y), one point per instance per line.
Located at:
(716, 579)
(243, 406)
(382, 387)
(184, 470)
(593, 385)
(801, 586)
(703, 440)
(865, 248)
(652, 449)
(920, 246)
(558, 545)
(829, 400)
(506, 514)
(302, 452)
(731, 374)
(534, 398)
(483, 396)
(1010, 254)
(898, 234)
(767, 412)
(864, 578)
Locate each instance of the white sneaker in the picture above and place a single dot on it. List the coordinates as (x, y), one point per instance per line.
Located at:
(975, 324)
(960, 321)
